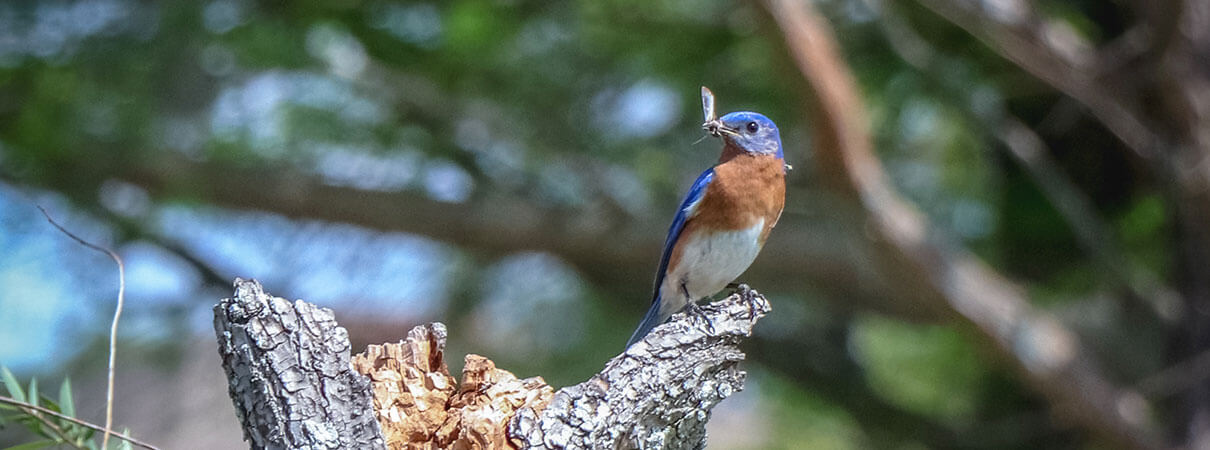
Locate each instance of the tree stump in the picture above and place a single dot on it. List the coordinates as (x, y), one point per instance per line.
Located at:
(294, 385)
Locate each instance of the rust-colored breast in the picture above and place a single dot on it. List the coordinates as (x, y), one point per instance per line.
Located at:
(746, 188)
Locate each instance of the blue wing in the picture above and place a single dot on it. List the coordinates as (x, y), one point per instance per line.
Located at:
(674, 232)
(678, 224)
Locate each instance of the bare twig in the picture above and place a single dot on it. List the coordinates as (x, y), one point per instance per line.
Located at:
(1172, 380)
(1029, 150)
(1029, 42)
(28, 406)
(113, 328)
(33, 411)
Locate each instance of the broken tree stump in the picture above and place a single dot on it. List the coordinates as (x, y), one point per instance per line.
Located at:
(289, 375)
(295, 386)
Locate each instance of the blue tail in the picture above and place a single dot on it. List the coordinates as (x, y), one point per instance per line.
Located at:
(649, 321)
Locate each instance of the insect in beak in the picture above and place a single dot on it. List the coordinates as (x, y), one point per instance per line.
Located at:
(711, 125)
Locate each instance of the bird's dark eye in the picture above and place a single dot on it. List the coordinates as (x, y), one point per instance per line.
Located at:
(753, 127)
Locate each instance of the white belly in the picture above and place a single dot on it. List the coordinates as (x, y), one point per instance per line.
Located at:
(708, 262)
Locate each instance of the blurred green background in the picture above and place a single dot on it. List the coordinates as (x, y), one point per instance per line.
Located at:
(510, 168)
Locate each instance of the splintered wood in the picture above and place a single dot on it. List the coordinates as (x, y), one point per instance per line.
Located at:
(421, 406)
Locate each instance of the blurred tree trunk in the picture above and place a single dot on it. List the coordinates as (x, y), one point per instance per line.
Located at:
(1150, 87)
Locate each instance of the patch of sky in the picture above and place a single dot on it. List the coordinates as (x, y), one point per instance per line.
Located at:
(445, 181)
(498, 157)
(540, 37)
(643, 110)
(255, 110)
(124, 199)
(221, 16)
(624, 187)
(333, 265)
(51, 30)
(339, 49)
(417, 24)
(342, 165)
(157, 275)
(54, 289)
(533, 302)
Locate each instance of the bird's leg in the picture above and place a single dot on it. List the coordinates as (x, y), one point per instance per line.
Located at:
(738, 287)
(693, 310)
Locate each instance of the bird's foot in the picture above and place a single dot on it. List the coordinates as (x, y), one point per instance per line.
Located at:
(744, 291)
(696, 313)
(737, 287)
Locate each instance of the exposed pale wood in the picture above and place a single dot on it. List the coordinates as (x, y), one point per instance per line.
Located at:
(294, 385)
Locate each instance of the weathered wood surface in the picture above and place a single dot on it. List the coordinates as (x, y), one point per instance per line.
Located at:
(295, 386)
(289, 375)
(659, 393)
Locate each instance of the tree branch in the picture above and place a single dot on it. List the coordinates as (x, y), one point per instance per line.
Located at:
(940, 275)
(1018, 33)
(659, 393)
(289, 374)
(821, 253)
(31, 407)
(291, 380)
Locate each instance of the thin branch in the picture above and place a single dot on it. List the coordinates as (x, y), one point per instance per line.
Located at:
(806, 253)
(1093, 234)
(28, 406)
(1029, 150)
(210, 275)
(1028, 42)
(113, 328)
(47, 422)
(1172, 380)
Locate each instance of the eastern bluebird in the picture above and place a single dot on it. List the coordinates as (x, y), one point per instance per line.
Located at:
(726, 217)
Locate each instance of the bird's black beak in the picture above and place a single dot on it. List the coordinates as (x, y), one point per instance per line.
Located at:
(717, 128)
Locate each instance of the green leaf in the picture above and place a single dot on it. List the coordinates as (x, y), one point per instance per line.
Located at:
(66, 405)
(11, 384)
(48, 403)
(125, 444)
(33, 391)
(33, 445)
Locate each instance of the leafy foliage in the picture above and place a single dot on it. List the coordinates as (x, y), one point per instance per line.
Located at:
(52, 431)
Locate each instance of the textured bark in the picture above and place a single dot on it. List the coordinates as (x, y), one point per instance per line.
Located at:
(659, 393)
(294, 385)
(289, 375)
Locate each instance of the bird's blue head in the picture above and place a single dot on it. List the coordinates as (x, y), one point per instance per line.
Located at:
(748, 131)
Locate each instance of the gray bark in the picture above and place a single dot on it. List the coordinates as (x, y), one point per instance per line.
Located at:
(289, 375)
(657, 394)
(293, 386)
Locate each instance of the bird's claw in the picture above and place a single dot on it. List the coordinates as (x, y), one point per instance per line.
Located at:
(696, 313)
(743, 291)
